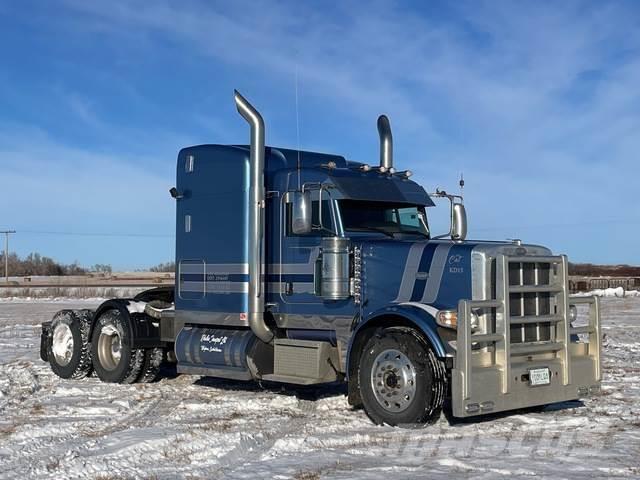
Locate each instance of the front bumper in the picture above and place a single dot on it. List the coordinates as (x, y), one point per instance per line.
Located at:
(491, 372)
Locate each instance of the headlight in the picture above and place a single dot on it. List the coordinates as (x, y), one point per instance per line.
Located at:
(447, 318)
(573, 313)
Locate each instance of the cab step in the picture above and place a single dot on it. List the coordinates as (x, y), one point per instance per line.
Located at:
(303, 362)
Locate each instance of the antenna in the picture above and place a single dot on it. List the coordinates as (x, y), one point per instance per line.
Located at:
(297, 127)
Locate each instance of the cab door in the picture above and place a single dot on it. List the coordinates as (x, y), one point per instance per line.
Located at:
(298, 253)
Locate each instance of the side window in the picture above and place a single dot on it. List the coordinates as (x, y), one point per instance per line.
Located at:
(319, 228)
(409, 217)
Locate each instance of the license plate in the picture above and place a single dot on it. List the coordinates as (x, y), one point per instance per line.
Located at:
(539, 376)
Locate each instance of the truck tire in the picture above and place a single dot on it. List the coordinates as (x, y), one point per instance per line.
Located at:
(68, 348)
(153, 358)
(400, 379)
(114, 360)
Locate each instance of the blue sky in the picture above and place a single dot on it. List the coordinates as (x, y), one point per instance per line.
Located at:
(538, 103)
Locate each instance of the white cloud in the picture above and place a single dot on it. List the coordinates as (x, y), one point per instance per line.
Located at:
(485, 87)
(52, 187)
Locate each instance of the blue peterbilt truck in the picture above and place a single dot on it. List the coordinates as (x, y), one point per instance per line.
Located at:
(307, 268)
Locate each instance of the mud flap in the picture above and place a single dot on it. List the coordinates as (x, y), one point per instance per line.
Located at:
(45, 338)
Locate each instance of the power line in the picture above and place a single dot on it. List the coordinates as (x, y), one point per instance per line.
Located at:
(586, 223)
(99, 234)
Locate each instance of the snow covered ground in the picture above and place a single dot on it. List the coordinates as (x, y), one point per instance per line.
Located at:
(192, 427)
(610, 292)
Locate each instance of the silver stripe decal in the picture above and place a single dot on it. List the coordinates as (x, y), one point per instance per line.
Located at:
(278, 268)
(434, 281)
(215, 287)
(298, 287)
(243, 268)
(243, 287)
(216, 268)
(227, 287)
(427, 308)
(410, 271)
(291, 268)
(192, 287)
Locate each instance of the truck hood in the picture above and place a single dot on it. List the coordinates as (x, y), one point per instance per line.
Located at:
(430, 272)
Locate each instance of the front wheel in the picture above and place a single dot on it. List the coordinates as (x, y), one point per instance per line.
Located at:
(401, 381)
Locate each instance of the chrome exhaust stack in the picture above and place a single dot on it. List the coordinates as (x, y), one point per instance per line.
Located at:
(386, 144)
(256, 218)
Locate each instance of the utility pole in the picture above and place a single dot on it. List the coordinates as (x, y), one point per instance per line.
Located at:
(6, 252)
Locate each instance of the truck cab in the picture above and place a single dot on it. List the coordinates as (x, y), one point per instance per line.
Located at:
(305, 268)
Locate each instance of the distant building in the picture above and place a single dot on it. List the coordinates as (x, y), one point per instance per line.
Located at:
(585, 284)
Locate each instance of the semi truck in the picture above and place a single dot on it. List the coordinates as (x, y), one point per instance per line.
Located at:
(308, 268)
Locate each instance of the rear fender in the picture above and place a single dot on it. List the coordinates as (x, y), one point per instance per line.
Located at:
(144, 330)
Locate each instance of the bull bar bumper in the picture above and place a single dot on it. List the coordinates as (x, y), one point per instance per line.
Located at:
(491, 374)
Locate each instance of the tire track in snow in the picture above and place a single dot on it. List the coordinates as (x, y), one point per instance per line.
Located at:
(259, 446)
(57, 447)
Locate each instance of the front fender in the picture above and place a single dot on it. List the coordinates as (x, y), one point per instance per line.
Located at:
(418, 315)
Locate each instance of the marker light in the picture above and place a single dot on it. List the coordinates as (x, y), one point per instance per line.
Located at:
(365, 167)
(383, 169)
(447, 318)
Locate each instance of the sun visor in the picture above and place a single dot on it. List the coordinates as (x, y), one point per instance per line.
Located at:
(381, 188)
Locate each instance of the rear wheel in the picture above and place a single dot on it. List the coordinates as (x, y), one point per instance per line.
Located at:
(401, 381)
(114, 359)
(68, 349)
(153, 358)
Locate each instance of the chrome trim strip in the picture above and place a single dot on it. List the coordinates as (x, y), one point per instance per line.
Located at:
(427, 308)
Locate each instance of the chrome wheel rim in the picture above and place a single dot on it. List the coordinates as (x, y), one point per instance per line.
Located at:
(393, 380)
(109, 347)
(62, 344)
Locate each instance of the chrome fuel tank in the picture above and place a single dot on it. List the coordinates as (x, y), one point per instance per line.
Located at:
(210, 351)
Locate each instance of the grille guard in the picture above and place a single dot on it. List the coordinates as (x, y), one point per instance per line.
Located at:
(481, 387)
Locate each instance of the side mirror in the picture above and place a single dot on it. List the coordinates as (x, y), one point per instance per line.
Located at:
(458, 222)
(173, 191)
(300, 213)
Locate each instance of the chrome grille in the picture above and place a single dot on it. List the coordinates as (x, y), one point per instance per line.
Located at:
(532, 291)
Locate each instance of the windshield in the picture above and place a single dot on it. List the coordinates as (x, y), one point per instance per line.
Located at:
(387, 218)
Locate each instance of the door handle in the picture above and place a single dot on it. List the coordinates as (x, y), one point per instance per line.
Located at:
(288, 288)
